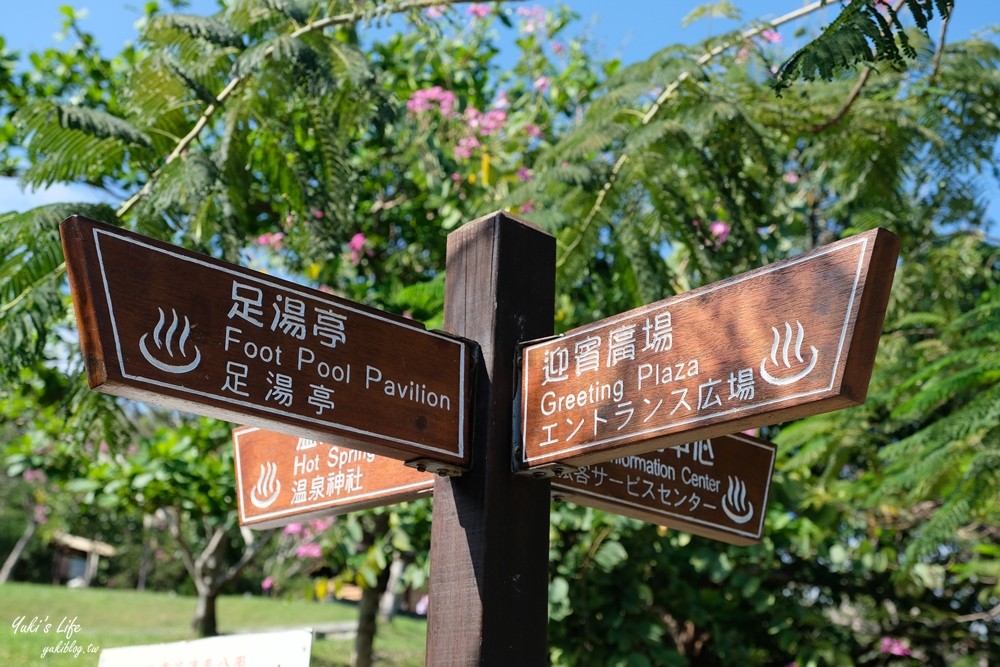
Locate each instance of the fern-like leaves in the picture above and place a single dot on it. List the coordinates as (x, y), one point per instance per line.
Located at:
(32, 300)
(865, 31)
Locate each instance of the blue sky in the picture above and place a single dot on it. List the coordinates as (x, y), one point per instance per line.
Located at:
(630, 29)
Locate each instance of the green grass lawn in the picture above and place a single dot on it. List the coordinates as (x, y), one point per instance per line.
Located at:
(100, 618)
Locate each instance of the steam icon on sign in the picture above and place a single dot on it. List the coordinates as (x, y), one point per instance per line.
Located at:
(785, 365)
(734, 503)
(267, 488)
(164, 356)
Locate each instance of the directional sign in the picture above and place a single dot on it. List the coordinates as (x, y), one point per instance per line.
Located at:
(788, 340)
(716, 488)
(167, 326)
(283, 478)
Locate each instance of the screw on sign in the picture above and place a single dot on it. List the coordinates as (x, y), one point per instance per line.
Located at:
(788, 340)
(171, 327)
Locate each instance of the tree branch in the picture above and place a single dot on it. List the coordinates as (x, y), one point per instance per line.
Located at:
(187, 556)
(855, 93)
(939, 52)
(665, 95)
(238, 80)
(990, 615)
(852, 97)
(253, 547)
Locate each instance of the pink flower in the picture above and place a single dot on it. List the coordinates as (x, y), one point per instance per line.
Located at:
(771, 36)
(558, 48)
(478, 11)
(357, 242)
(267, 584)
(41, 513)
(893, 646)
(501, 102)
(309, 550)
(473, 117)
(542, 84)
(429, 98)
(463, 151)
(435, 11)
(270, 240)
(320, 525)
(524, 174)
(318, 214)
(34, 476)
(533, 130)
(719, 230)
(528, 206)
(742, 55)
(492, 122)
(355, 246)
(293, 529)
(534, 18)
(790, 177)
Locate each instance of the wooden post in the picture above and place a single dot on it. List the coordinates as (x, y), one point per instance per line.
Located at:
(489, 536)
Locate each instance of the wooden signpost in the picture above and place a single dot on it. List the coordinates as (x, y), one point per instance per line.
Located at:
(175, 328)
(171, 327)
(283, 478)
(791, 339)
(716, 488)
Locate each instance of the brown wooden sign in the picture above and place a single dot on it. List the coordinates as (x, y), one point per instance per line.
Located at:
(171, 327)
(282, 478)
(716, 488)
(785, 341)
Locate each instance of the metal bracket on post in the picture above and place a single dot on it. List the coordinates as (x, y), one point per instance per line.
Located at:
(436, 467)
(549, 471)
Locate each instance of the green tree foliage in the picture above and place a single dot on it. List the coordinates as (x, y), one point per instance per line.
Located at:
(687, 169)
(868, 32)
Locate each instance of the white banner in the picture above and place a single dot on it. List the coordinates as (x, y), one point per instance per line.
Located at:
(272, 649)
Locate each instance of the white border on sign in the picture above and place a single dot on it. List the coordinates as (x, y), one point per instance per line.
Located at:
(292, 290)
(304, 508)
(561, 452)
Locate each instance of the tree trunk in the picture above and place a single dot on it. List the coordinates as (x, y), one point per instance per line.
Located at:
(22, 544)
(210, 577)
(205, 622)
(388, 605)
(364, 653)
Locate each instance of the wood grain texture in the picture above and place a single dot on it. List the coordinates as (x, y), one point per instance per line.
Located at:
(785, 341)
(489, 535)
(170, 327)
